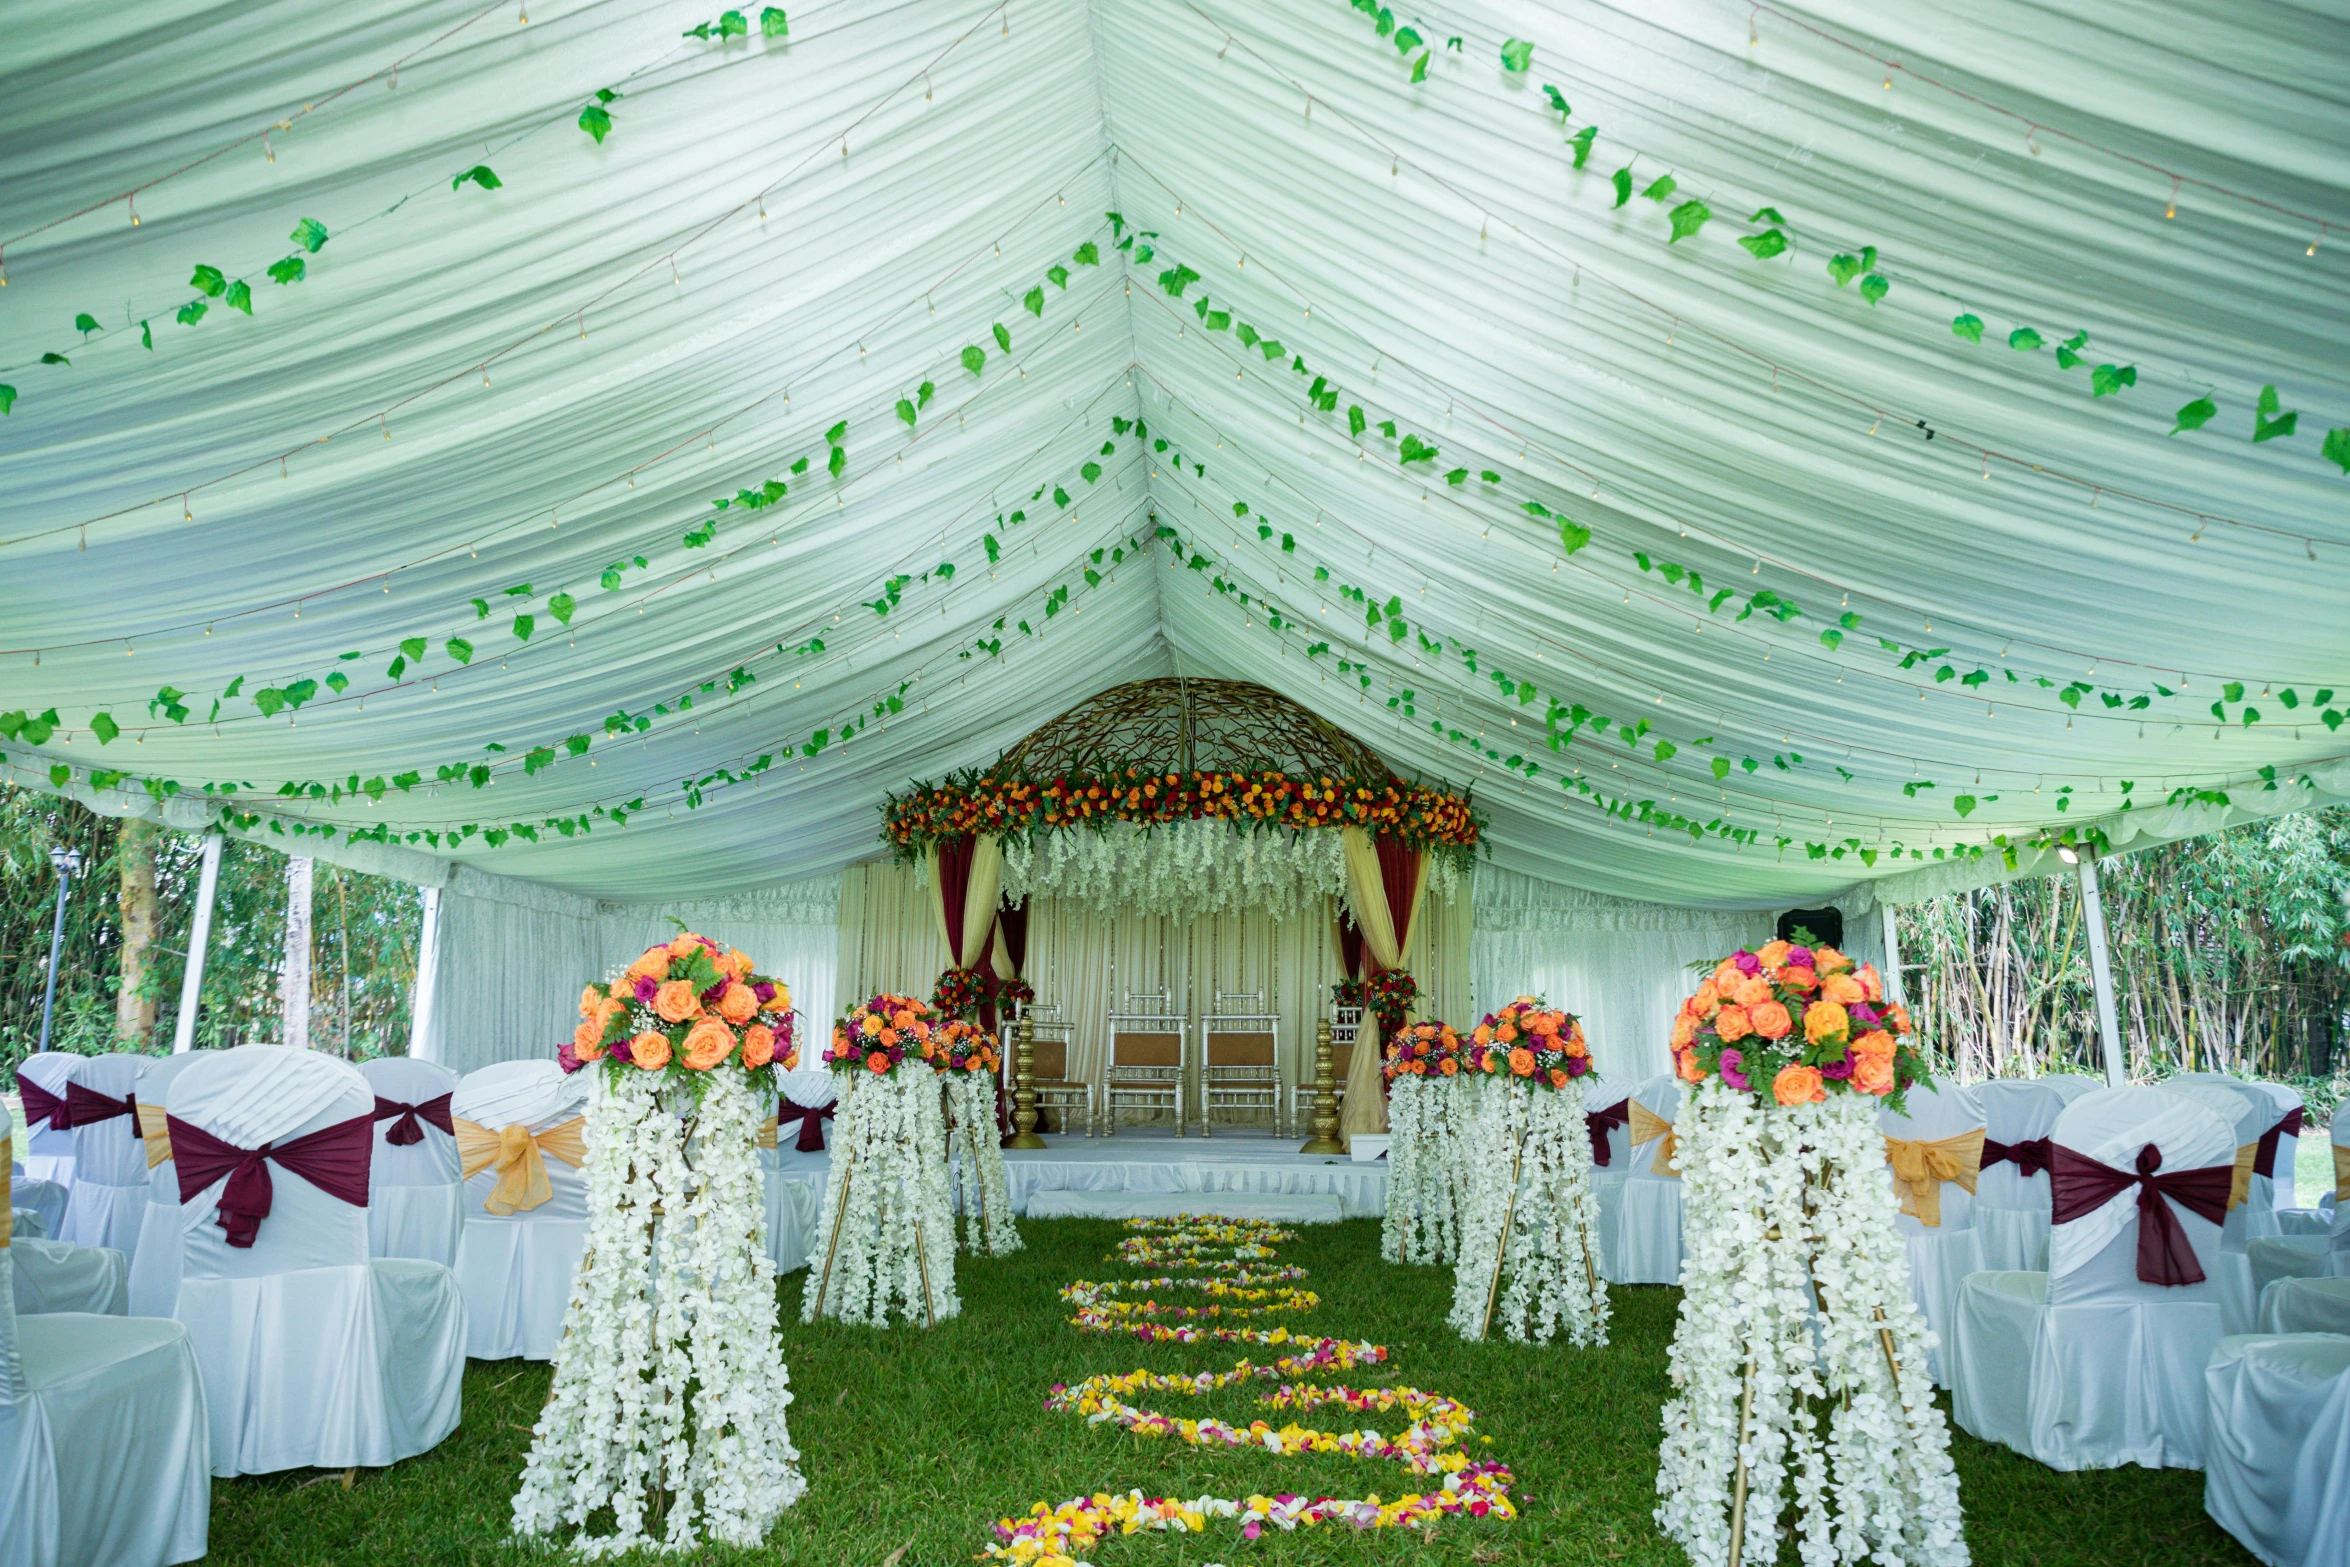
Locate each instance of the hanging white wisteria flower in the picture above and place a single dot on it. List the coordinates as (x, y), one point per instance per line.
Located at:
(1182, 869)
(885, 1236)
(1776, 1401)
(1431, 1124)
(1529, 1249)
(670, 1386)
(983, 1187)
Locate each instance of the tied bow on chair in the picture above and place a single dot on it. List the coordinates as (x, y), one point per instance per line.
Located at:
(334, 1159)
(405, 1133)
(41, 1105)
(87, 1107)
(811, 1119)
(1649, 1127)
(2029, 1155)
(2341, 1173)
(1920, 1167)
(2080, 1185)
(1597, 1123)
(516, 1154)
(2265, 1161)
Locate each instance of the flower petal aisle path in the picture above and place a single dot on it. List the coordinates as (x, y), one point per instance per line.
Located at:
(1232, 1266)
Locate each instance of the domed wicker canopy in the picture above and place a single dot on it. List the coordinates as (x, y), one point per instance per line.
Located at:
(1178, 725)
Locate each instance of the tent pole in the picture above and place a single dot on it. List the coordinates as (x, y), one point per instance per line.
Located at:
(423, 1044)
(294, 978)
(2101, 971)
(1893, 985)
(183, 1033)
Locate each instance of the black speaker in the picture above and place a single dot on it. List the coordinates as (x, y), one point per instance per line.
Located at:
(1812, 927)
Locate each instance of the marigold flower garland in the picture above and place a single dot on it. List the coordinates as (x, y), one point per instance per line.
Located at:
(1530, 1235)
(1431, 1120)
(1432, 1443)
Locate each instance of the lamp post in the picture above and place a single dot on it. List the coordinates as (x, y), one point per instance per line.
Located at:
(69, 865)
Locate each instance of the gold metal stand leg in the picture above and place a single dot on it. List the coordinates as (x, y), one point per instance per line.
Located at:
(1509, 1219)
(1024, 1089)
(839, 1212)
(1738, 1490)
(1325, 1139)
(922, 1257)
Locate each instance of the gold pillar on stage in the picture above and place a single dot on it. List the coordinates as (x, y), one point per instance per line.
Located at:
(1024, 1089)
(1325, 1138)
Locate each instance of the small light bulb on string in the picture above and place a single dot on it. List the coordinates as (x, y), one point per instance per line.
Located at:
(131, 203)
(2172, 210)
(1753, 31)
(2313, 244)
(266, 150)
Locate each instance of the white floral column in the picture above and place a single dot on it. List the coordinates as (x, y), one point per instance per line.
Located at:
(885, 1237)
(983, 1188)
(1775, 1402)
(1432, 1128)
(1529, 1251)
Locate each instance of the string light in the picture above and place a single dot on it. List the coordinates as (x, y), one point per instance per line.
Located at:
(2172, 210)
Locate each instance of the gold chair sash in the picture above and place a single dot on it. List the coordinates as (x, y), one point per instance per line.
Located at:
(7, 1188)
(1648, 1127)
(1920, 1167)
(2240, 1185)
(155, 1132)
(767, 1133)
(522, 1173)
(2341, 1172)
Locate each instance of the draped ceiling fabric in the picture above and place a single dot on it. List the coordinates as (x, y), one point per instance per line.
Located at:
(502, 395)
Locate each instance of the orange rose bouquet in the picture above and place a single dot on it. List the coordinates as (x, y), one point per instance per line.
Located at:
(1530, 1040)
(961, 1046)
(1794, 1024)
(883, 1034)
(1424, 1050)
(685, 1007)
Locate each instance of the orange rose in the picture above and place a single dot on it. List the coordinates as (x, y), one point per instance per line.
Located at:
(1726, 977)
(593, 1050)
(782, 998)
(758, 1046)
(650, 1051)
(1842, 989)
(1522, 1062)
(1829, 961)
(1799, 978)
(738, 963)
(1823, 1021)
(1492, 1061)
(606, 1012)
(736, 1003)
(585, 1035)
(685, 945)
(1876, 1042)
(903, 1017)
(676, 1001)
(1898, 1016)
(1798, 1085)
(589, 1000)
(707, 1043)
(1752, 993)
(1574, 1045)
(1558, 1077)
(1684, 1031)
(1873, 1074)
(1685, 1066)
(1482, 1034)
(1733, 1024)
(1872, 984)
(1773, 953)
(790, 1061)
(1707, 994)
(1505, 1033)
(888, 1036)
(1770, 1020)
(653, 965)
(1449, 1066)
(877, 1062)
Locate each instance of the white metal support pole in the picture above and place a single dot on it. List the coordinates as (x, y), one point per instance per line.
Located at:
(183, 1033)
(1894, 990)
(294, 978)
(2101, 972)
(423, 1043)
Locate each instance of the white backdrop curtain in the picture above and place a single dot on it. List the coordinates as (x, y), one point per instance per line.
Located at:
(1620, 966)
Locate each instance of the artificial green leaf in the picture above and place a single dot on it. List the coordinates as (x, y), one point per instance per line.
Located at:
(837, 434)
(611, 579)
(1766, 215)
(104, 727)
(1572, 536)
(1687, 219)
(1003, 338)
(481, 174)
(2196, 414)
(1622, 180)
(412, 649)
(1034, 300)
(524, 625)
(7, 398)
(1090, 472)
(974, 358)
(270, 700)
(2336, 449)
(458, 649)
(596, 120)
(147, 336)
(1558, 100)
(2067, 356)
(2023, 339)
(1354, 419)
(86, 323)
(1721, 767)
(310, 234)
(239, 296)
(1420, 66)
(290, 270)
(191, 312)
(1844, 268)
(1661, 188)
(2106, 380)
(561, 607)
(733, 24)
(1087, 255)
(773, 23)
(209, 279)
(1963, 804)
(1057, 275)
(1516, 55)
(2267, 423)
(905, 410)
(338, 682)
(1874, 287)
(838, 460)
(1407, 39)
(56, 359)
(1969, 326)
(1581, 141)
(1763, 246)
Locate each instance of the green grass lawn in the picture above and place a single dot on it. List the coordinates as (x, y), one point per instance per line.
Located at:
(916, 1442)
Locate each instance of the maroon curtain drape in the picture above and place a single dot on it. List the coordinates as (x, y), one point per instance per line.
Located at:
(2079, 1185)
(1399, 867)
(334, 1159)
(1350, 944)
(87, 1107)
(2029, 1156)
(1012, 920)
(405, 1132)
(41, 1105)
(2264, 1158)
(954, 884)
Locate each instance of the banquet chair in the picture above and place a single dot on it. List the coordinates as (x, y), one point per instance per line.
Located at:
(1346, 1026)
(39, 1206)
(1148, 1059)
(51, 1276)
(155, 1268)
(104, 1456)
(520, 1127)
(1607, 1115)
(1058, 1089)
(47, 1150)
(2306, 1306)
(2232, 1269)
(2252, 1208)
(108, 1202)
(1932, 1156)
(415, 1198)
(2277, 1473)
(2324, 1255)
(1240, 1055)
(314, 1355)
(2280, 1146)
(2098, 1362)
(1640, 1215)
(792, 1163)
(2011, 1192)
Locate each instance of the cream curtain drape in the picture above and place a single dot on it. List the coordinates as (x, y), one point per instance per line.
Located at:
(890, 938)
(965, 931)
(1366, 900)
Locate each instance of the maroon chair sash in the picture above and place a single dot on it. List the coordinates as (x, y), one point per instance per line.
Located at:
(2029, 1155)
(811, 1119)
(87, 1107)
(405, 1133)
(2080, 1185)
(41, 1105)
(1597, 1123)
(2264, 1158)
(334, 1159)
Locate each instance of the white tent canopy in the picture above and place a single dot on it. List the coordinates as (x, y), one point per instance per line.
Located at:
(489, 401)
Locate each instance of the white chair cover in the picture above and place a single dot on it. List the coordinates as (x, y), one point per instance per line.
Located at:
(415, 1197)
(2257, 1114)
(2011, 1208)
(1640, 1215)
(108, 1202)
(39, 1205)
(793, 1197)
(2279, 1453)
(155, 1267)
(103, 1456)
(1940, 1255)
(2247, 1220)
(1602, 1092)
(2087, 1366)
(2306, 1306)
(516, 1269)
(2283, 1101)
(48, 1151)
(52, 1276)
(313, 1355)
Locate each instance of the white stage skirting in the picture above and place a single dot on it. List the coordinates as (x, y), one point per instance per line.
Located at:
(1150, 1171)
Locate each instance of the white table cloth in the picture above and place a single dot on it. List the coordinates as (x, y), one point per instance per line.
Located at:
(2278, 1476)
(1945, 1252)
(517, 1269)
(2306, 1306)
(2088, 1366)
(1640, 1215)
(415, 1197)
(108, 1202)
(313, 1355)
(2011, 1195)
(155, 1267)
